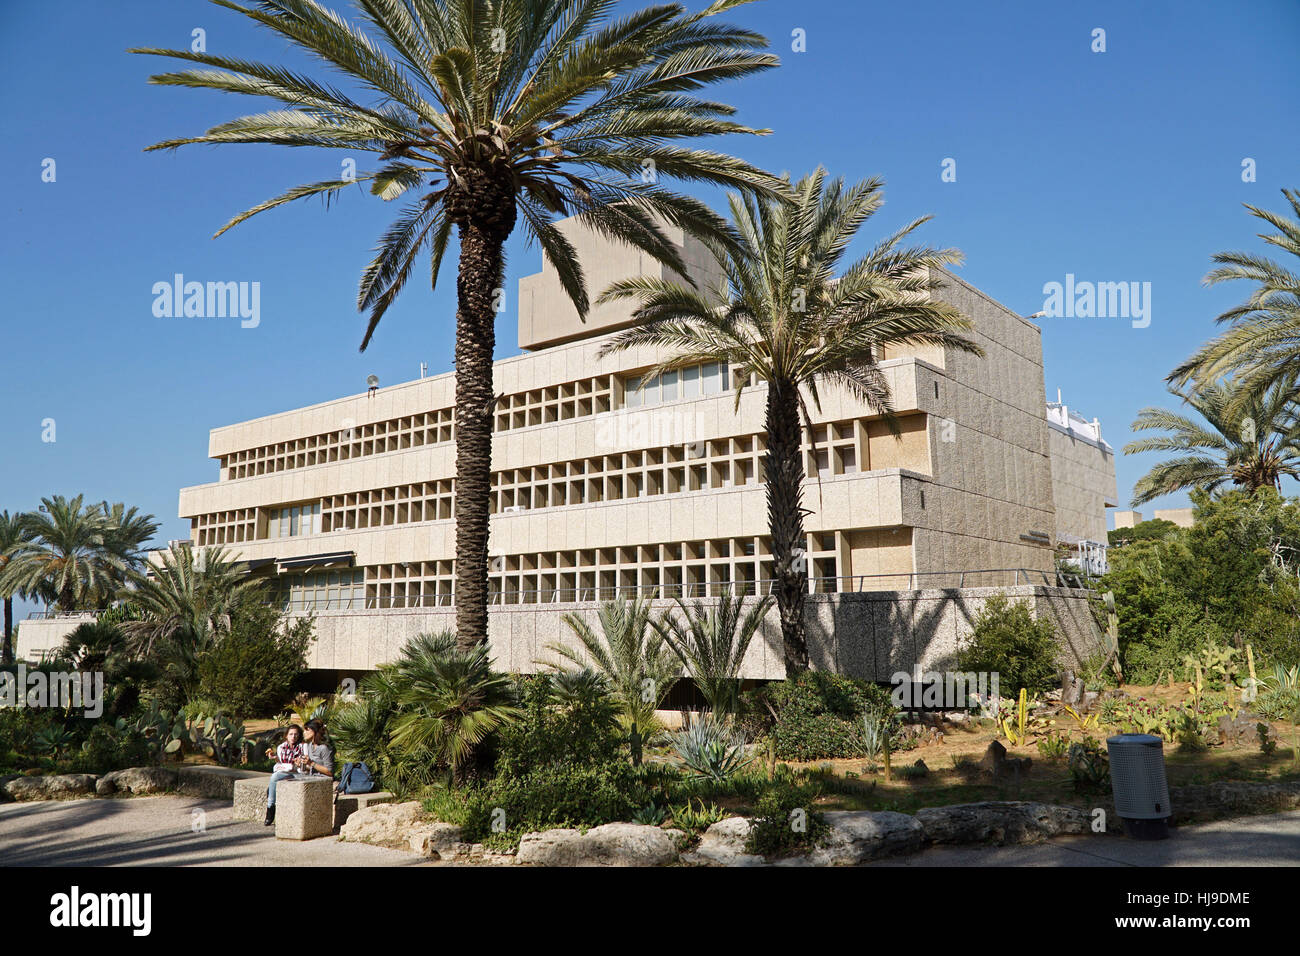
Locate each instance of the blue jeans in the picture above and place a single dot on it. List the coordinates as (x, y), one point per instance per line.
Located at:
(276, 778)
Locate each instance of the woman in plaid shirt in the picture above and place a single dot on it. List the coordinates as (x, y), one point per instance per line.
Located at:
(288, 758)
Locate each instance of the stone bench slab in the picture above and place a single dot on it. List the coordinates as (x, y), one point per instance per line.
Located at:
(215, 783)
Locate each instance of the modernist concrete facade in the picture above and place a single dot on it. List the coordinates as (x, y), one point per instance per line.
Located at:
(1083, 484)
(601, 486)
(1183, 517)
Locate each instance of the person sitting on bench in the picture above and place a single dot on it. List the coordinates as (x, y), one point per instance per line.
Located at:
(288, 758)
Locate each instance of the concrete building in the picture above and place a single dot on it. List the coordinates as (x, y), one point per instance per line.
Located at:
(1183, 517)
(1179, 516)
(1083, 484)
(601, 487)
(1127, 519)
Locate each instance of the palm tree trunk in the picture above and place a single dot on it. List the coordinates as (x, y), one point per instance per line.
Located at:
(7, 655)
(783, 467)
(484, 212)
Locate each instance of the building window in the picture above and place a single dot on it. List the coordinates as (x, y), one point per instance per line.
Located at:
(322, 591)
(293, 521)
(710, 378)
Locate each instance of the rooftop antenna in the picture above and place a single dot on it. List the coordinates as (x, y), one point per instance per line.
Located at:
(424, 367)
(372, 384)
(1058, 396)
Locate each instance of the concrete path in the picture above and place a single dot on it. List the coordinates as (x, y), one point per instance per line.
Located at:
(164, 831)
(1269, 840)
(161, 831)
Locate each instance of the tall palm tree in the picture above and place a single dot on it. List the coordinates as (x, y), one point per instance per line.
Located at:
(65, 559)
(13, 533)
(798, 320)
(629, 653)
(711, 642)
(1251, 448)
(128, 532)
(1263, 343)
(186, 599)
(491, 110)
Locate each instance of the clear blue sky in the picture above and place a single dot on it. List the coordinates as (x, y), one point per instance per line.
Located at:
(1115, 166)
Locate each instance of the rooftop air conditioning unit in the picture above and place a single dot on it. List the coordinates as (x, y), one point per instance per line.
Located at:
(512, 509)
(1137, 780)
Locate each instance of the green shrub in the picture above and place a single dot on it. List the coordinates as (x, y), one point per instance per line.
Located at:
(785, 822)
(820, 715)
(500, 812)
(252, 671)
(569, 720)
(1007, 640)
(1089, 764)
(106, 749)
(1054, 746)
(19, 727)
(1173, 631)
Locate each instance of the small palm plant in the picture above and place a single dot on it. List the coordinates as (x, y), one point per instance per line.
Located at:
(711, 642)
(798, 319)
(449, 701)
(639, 665)
(1246, 440)
(361, 730)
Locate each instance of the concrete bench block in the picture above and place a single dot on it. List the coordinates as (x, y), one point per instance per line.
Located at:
(350, 803)
(304, 808)
(250, 798)
(218, 783)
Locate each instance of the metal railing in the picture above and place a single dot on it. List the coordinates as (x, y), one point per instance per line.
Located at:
(841, 584)
(48, 615)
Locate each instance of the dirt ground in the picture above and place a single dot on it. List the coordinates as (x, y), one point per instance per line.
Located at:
(864, 787)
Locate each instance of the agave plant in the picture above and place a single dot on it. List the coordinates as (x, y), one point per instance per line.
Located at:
(1284, 678)
(53, 740)
(710, 749)
(690, 817)
(879, 723)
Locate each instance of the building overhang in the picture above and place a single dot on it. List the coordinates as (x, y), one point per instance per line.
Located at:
(324, 560)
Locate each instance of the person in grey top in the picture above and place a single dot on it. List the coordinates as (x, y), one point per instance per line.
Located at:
(316, 758)
(316, 750)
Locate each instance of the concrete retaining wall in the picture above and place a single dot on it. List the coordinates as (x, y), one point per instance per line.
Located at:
(870, 635)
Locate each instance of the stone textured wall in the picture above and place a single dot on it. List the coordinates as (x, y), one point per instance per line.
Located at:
(870, 635)
(992, 481)
(1083, 485)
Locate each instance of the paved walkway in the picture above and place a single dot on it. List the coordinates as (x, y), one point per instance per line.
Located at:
(1269, 840)
(163, 831)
